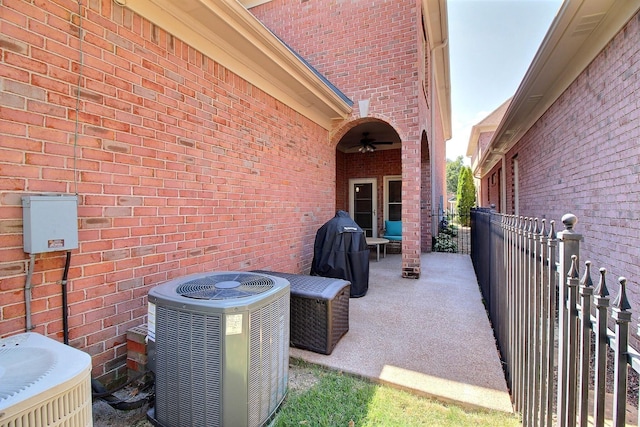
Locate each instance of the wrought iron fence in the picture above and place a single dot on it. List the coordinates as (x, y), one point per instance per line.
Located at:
(550, 324)
(454, 233)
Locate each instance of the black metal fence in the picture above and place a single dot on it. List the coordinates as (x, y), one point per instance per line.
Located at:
(550, 324)
(454, 233)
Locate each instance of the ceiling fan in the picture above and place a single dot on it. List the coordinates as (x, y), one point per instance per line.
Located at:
(367, 145)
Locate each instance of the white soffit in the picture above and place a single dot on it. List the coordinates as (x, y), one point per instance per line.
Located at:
(226, 32)
(253, 3)
(580, 31)
(438, 33)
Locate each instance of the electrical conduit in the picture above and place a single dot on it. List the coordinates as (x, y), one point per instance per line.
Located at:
(27, 292)
(65, 310)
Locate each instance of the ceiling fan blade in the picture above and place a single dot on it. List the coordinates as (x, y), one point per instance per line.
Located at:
(382, 143)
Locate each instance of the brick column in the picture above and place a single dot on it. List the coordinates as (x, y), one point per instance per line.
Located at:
(136, 351)
(411, 227)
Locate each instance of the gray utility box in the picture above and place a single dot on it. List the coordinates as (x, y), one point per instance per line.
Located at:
(50, 223)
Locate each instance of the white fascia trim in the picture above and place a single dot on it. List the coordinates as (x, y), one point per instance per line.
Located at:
(230, 35)
(253, 3)
(438, 33)
(564, 54)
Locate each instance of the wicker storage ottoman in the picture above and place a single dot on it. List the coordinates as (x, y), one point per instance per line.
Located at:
(319, 311)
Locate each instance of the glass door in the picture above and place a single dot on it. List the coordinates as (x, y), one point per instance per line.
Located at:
(363, 203)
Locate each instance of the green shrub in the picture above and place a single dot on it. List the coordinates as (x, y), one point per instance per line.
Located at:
(444, 243)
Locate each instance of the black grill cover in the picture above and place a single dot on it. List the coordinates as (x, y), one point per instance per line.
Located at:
(340, 252)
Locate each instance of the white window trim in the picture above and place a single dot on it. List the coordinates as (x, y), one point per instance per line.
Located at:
(385, 190)
(516, 188)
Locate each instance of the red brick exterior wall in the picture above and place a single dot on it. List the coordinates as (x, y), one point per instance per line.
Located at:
(483, 141)
(380, 58)
(180, 167)
(489, 189)
(378, 164)
(367, 58)
(494, 189)
(583, 157)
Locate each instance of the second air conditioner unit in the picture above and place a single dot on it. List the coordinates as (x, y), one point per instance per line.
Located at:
(43, 383)
(219, 348)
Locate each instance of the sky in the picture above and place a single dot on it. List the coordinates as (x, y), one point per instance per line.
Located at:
(491, 45)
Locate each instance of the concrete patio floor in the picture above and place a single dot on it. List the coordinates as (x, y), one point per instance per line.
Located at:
(430, 335)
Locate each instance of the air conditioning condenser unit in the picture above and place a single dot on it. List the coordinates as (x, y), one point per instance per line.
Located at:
(43, 383)
(219, 348)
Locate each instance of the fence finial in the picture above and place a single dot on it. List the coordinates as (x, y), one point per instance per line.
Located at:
(536, 229)
(569, 220)
(601, 289)
(543, 228)
(621, 302)
(586, 278)
(573, 271)
(552, 229)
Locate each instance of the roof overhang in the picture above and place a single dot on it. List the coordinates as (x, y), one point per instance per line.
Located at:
(476, 130)
(253, 3)
(579, 32)
(229, 34)
(488, 124)
(435, 15)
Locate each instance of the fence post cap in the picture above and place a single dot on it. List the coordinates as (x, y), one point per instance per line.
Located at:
(569, 234)
(569, 220)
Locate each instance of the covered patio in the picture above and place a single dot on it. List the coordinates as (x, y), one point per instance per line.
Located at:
(430, 335)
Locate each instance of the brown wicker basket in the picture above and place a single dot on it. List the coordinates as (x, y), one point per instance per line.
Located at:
(319, 311)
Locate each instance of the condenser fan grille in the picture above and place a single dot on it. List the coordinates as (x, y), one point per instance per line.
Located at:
(225, 286)
(20, 368)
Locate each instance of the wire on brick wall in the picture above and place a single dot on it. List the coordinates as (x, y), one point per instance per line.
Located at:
(79, 85)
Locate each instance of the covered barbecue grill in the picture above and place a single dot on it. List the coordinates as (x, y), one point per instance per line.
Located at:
(340, 252)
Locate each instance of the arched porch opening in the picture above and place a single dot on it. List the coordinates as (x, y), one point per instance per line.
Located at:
(426, 195)
(369, 174)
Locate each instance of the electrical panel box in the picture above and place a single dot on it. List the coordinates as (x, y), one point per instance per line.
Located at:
(50, 223)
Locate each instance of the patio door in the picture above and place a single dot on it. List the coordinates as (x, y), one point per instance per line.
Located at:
(363, 202)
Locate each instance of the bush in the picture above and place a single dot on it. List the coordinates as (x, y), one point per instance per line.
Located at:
(444, 243)
(466, 195)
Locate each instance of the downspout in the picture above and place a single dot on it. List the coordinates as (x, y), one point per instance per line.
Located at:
(27, 292)
(65, 310)
(503, 185)
(432, 132)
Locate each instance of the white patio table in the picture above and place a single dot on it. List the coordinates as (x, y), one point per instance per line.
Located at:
(376, 241)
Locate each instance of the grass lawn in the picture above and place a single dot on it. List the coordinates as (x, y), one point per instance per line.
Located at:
(320, 397)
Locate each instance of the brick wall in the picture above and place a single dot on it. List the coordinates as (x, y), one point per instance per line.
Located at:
(180, 167)
(582, 157)
(380, 58)
(366, 58)
(483, 141)
(489, 190)
(494, 188)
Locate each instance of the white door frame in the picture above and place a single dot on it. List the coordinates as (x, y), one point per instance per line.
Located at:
(374, 200)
